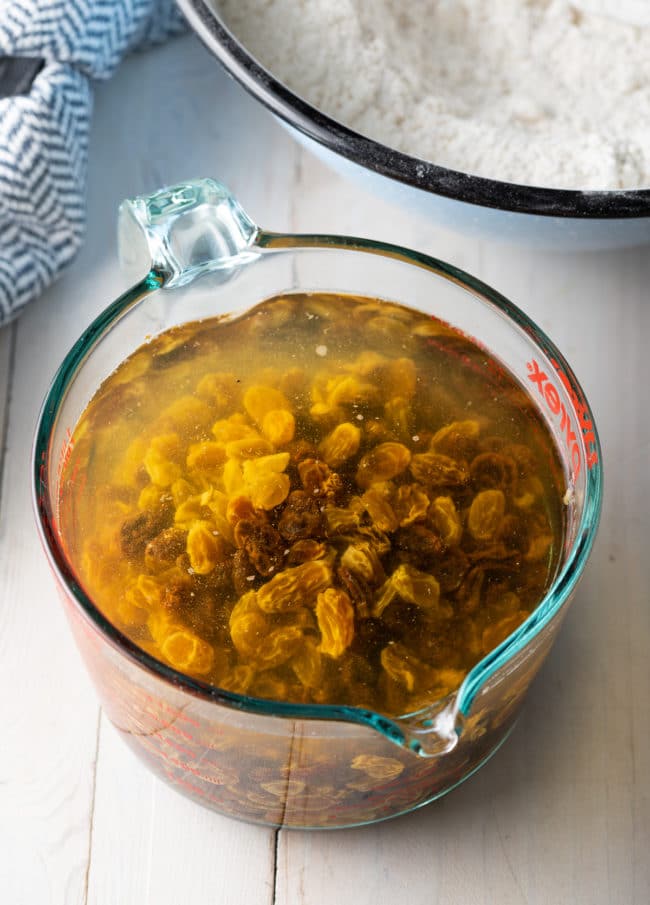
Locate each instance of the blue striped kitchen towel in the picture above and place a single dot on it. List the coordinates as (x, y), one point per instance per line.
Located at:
(50, 51)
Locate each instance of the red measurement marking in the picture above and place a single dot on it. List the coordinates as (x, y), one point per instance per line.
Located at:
(180, 748)
(181, 732)
(174, 712)
(551, 397)
(66, 451)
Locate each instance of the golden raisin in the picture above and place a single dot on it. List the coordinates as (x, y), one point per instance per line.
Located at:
(220, 390)
(444, 517)
(436, 470)
(235, 427)
(497, 632)
(268, 491)
(457, 439)
(205, 547)
(277, 647)
(410, 504)
(335, 616)
(279, 426)
(412, 586)
(264, 480)
(377, 500)
(207, 455)
(260, 400)
(404, 667)
(341, 444)
(162, 459)
(382, 463)
(248, 448)
(362, 560)
(381, 768)
(400, 375)
(186, 652)
(294, 587)
(307, 664)
(486, 513)
(187, 415)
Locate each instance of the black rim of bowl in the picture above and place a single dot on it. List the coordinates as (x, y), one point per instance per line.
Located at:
(419, 174)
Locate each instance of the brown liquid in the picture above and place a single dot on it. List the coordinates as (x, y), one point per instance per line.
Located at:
(328, 499)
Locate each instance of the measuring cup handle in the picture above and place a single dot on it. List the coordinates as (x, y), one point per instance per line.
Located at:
(183, 231)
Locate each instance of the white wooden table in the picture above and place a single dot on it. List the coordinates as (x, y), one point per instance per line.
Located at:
(562, 813)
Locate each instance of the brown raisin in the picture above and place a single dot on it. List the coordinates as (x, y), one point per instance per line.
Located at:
(136, 532)
(370, 637)
(177, 595)
(301, 517)
(165, 548)
(514, 534)
(494, 471)
(470, 593)
(306, 550)
(299, 450)
(450, 568)
(523, 457)
(244, 574)
(318, 480)
(261, 542)
(419, 543)
(358, 590)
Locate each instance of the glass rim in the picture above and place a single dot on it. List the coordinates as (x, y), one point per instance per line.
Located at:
(563, 584)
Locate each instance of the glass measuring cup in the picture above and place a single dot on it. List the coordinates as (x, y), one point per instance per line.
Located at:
(279, 763)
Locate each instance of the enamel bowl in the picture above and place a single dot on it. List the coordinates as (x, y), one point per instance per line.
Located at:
(558, 219)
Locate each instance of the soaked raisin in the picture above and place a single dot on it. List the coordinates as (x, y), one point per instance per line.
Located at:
(335, 616)
(420, 544)
(486, 513)
(301, 517)
(244, 574)
(262, 543)
(358, 590)
(494, 471)
(382, 463)
(165, 548)
(318, 480)
(370, 637)
(136, 532)
(435, 470)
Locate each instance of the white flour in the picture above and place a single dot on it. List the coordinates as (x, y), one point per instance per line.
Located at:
(527, 91)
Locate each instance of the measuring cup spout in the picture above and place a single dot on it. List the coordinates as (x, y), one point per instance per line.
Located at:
(183, 231)
(430, 732)
(434, 731)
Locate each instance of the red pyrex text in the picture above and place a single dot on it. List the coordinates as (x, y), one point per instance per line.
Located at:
(551, 396)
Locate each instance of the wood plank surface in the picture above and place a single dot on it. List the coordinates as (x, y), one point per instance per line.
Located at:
(562, 812)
